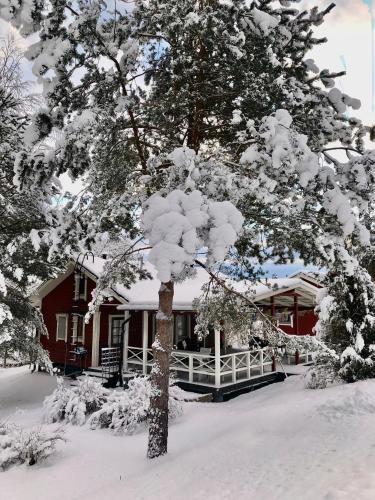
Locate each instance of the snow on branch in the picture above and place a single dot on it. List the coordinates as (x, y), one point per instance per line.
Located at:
(180, 223)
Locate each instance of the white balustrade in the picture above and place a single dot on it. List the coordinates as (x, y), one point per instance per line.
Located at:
(207, 369)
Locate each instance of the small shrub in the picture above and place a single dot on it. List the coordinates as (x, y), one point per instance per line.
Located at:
(74, 404)
(18, 446)
(126, 411)
(356, 367)
(324, 372)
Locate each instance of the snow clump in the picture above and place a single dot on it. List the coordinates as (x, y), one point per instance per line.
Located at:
(179, 224)
(73, 404)
(127, 411)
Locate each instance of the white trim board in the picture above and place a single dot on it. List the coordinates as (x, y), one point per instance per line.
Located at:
(66, 316)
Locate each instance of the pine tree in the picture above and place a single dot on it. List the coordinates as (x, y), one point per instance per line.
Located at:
(20, 265)
(188, 112)
(347, 321)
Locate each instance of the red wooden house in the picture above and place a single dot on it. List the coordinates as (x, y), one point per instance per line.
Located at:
(210, 365)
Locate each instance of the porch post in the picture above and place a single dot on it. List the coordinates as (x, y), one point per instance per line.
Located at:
(144, 341)
(295, 315)
(217, 358)
(126, 341)
(95, 339)
(234, 375)
(191, 369)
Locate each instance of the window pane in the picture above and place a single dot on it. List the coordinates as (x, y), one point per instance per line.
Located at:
(82, 286)
(181, 332)
(116, 331)
(61, 327)
(284, 317)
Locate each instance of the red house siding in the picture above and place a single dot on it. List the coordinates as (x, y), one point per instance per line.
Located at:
(60, 301)
(57, 301)
(307, 321)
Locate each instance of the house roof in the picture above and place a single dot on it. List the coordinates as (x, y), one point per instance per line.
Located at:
(314, 278)
(143, 295)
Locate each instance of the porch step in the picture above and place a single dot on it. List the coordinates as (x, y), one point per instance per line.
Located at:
(93, 369)
(93, 374)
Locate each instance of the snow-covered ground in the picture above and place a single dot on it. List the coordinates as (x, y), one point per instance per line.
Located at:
(281, 442)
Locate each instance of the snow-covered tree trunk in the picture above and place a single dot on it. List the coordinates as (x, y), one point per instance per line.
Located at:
(162, 347)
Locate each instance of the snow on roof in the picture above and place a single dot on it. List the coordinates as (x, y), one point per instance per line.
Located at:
(314, 277)
(143, 294)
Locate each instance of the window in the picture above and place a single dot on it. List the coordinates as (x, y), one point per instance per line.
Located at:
(116, 330)
(284, 317)
(61, 326)
(181, 332)
(80, 286)
(78, 327)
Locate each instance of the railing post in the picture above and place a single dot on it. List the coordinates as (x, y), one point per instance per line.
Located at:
(234, 378)
(191, 365)
(261, 361)
(248, 364)
(126, 342)
(144, 341)
(217, 358)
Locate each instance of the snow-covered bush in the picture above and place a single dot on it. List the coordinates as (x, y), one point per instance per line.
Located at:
(54, 404)
(324, 372)
(18, 446)
(355, 367)
(121, 411)
(73, 404)
(126, 411)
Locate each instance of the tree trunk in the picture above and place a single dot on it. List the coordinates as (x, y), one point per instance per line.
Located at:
(162, 347)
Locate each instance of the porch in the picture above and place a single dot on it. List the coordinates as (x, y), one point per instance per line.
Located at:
(204, 369)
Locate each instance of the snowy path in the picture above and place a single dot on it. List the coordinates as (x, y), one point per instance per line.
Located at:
(282, 442)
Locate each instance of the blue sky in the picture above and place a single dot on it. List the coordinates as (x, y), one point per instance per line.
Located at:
(283, 270)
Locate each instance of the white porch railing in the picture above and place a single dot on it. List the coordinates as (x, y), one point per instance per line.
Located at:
(206, 369)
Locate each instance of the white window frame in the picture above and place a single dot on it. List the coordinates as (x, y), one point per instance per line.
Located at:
(66, 316)
(81, 340)
(290, 323)
(77, 295)
(83, 296)
(110, 318)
